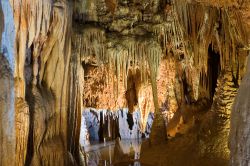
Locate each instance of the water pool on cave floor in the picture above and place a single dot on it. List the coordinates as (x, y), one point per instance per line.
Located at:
(122, 152)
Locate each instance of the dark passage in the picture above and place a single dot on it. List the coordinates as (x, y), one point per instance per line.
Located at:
(130, 120)
(213, 70)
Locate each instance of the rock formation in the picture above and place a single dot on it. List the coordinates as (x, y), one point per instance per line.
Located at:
(7, 130)
(239, 128)
(7, 115)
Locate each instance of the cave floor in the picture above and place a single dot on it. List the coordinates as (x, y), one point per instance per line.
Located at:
(184, 149)
(180, 151)
(192, 143)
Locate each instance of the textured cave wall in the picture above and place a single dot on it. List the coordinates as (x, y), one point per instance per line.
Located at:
(2, 23)
(239, 122)
(185, 31)
(239, 128)
(7, 115)
(47, 78)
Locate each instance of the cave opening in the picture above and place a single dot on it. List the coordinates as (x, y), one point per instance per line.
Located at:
(213, 70)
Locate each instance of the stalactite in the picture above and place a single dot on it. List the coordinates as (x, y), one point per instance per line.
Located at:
(44, 28)
(142, 54)
(202, 26)
(90, 41)
(169, 35)
(121, 54)
(31, 29)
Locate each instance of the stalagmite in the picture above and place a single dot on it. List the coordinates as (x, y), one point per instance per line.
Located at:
(43, 32)
(22, 119)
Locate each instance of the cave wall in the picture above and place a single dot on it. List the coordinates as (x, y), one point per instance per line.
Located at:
(230, 42)
(7, 115)
(239, 128)
(47, 77)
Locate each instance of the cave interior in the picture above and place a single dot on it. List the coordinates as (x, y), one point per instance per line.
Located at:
(124, 82)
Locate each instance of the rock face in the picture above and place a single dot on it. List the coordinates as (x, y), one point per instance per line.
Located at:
(47, 87)
(49, 95)
(7, 115)
(239, 128)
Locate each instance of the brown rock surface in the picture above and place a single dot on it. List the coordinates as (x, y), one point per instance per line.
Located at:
(7, 127)
(239, 127)
(43, 35)
(22, 120)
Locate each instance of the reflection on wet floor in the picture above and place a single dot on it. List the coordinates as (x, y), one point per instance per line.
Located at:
(119, 152)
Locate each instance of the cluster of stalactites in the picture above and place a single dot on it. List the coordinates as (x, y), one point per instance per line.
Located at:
(120, 54)
(32, 20)
(132, 54)
(202, 26)
(231, 41)
(90, 42)
(169, 35)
